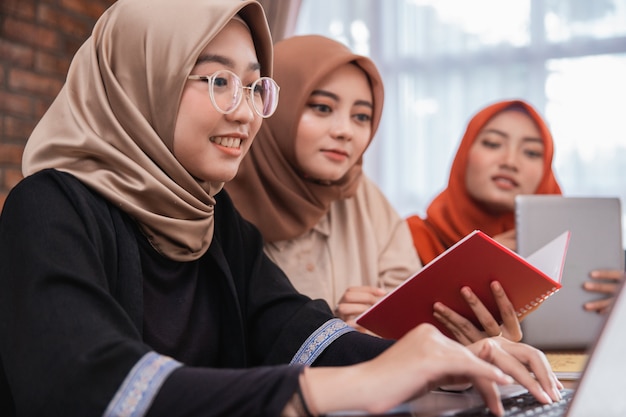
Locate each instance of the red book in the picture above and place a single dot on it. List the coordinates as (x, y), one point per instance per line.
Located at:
(475, 261)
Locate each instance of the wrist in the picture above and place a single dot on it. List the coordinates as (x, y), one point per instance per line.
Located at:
(307, 402)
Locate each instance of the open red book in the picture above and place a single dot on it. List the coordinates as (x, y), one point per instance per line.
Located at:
(475, 261)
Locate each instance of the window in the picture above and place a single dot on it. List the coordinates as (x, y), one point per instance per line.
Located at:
(442, 60)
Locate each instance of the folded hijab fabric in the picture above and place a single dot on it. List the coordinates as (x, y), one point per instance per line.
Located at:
(269, 189)
(453, 213)
(112, 124)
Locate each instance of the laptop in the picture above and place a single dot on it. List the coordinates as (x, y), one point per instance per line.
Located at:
(600, 390)
(595, 243)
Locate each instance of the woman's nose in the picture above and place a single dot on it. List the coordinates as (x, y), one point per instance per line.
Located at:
(509, 158)
(244, 112)
(342, 128)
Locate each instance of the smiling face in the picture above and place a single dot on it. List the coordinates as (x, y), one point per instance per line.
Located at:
(336, 124)
(209, 144)
(505, 160)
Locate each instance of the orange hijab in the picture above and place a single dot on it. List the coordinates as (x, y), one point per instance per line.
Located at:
(453, 213)
(269, 190)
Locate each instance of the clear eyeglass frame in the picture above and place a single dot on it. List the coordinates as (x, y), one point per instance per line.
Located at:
(226, 92)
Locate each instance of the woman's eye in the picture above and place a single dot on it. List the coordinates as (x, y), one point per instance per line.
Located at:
(490, 144)
(258, 90)
(322, 108)
(362, 117)
(534, 154)
(220, 82)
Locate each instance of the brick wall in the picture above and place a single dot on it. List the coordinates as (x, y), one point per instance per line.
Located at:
(38, 39)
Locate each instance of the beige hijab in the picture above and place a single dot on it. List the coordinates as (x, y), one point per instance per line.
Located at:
(112, 124)
(269, 189)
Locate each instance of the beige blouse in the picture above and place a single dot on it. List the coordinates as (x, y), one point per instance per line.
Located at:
(362, 240)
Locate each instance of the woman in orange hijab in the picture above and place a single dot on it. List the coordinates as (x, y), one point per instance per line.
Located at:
(521, 147)
(507, 150)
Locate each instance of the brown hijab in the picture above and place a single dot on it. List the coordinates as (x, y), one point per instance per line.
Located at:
(268, 189)
(453, 213)
(112, 124)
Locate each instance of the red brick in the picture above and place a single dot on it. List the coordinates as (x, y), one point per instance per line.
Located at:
(11, 177)
(17, 129)
(42, 105)
(31, 34)
(3, 197)
(11, 154)
(60, 20)
(15, 103)
(51, 64)
(27, 81)
(72, 45)
(16, 54)
(92, 9)
(21, 8)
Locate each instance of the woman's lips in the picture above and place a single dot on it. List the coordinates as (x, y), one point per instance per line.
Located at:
(336, 154)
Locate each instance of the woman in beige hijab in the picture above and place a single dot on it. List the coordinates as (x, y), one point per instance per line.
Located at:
(130, 286)
(325, 223)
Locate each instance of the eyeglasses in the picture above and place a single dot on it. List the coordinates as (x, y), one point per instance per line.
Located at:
(226, 91)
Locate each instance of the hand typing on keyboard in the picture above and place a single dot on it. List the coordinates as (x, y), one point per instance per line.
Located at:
(524, 405)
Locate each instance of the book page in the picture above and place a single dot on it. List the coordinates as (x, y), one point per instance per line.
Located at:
(550, 259)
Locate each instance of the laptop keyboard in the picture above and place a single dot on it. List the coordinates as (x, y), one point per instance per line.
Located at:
(524, 405)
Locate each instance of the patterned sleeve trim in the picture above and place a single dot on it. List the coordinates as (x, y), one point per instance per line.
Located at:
(319, 340)
(136, 393)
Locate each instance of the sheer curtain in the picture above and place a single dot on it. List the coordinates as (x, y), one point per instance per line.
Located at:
(444, 59)
(281, 16)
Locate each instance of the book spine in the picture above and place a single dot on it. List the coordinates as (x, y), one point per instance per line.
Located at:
(536, 302)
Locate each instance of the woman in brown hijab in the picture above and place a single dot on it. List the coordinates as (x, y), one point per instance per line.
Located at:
(129, 284)
(325, 223)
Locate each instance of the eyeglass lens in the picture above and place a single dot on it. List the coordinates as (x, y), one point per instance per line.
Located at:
(226, 92)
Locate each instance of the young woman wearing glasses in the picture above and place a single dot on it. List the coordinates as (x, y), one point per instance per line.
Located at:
(129, 284)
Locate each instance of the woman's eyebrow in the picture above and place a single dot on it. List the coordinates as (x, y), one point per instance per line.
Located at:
(227, 62)
(533, 139)
(335, 97)
(506, 135)
(325, 94)
(494, 131)
(364, 103)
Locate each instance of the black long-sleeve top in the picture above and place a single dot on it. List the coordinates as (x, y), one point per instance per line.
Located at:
(93, 321)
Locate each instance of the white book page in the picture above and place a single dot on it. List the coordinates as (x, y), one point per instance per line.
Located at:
(550, 259)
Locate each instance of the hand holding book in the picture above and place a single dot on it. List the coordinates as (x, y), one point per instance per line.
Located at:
(475, 262)
(465, 332)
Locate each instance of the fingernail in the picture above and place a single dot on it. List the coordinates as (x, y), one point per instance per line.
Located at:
(557, 394)
(547, 397)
